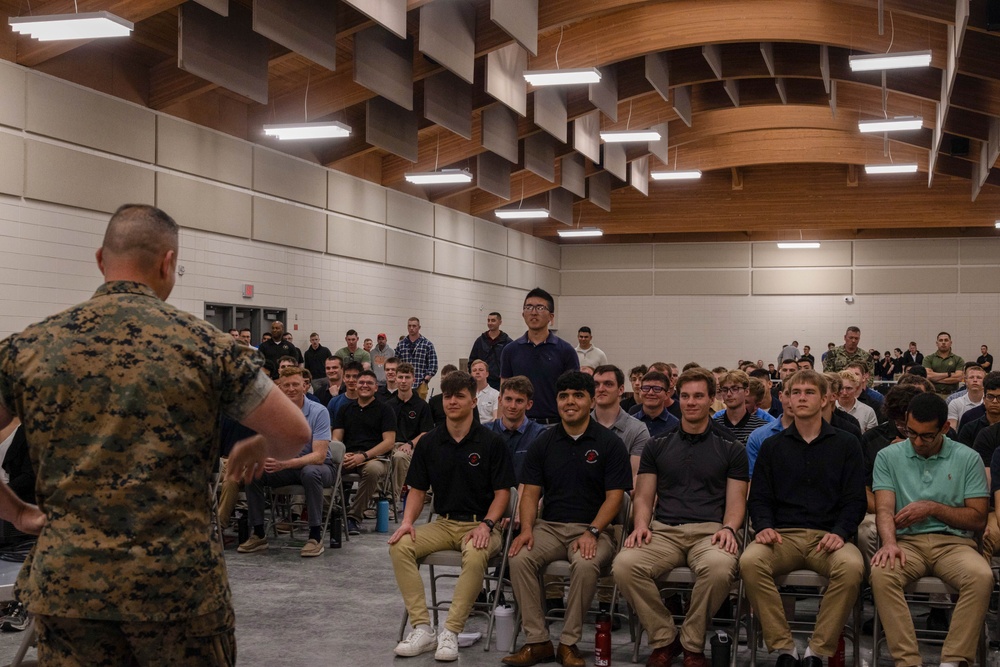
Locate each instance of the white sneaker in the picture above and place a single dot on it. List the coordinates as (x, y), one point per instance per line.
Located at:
(447, 646)
(417, 642)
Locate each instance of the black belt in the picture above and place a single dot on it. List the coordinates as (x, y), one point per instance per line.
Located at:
(547, 421)
(455, 516)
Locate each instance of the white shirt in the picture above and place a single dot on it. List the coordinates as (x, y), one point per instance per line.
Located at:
(959, 407)
(487, 400)
(592, 356)
(864, 414)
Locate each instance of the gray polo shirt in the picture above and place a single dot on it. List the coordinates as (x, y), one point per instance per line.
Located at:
(633, 432)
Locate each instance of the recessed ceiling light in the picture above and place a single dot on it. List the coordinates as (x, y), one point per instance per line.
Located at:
(439, 177)
(799, 245)
(90, 25)
(892, 124)
(621, 136)
(325, 130)
(562, 77)
(521, 213)
(890, 168)
(584, 232)
(880, 61)
(689, 175)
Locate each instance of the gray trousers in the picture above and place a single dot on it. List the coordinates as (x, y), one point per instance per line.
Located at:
(313, 479)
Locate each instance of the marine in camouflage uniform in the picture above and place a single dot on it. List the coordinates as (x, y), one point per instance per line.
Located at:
(839, 359)
(120, 399)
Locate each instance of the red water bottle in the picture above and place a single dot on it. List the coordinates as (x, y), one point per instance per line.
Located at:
(602, 641)
(837, 659)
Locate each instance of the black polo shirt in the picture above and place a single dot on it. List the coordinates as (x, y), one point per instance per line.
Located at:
(413, 417)
(364, 426)
(464, 474)
(818, 485)
(272, 351)
(967, 435)
(576, 474)
(436, 404)
(845, 422)
(874, 441)
(692, 471)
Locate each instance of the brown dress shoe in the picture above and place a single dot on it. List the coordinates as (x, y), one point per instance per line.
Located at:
(531, 654)
(663, 656)
(570, 656)
(692, 659)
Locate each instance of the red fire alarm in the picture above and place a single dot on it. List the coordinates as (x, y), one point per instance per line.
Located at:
(248, 291)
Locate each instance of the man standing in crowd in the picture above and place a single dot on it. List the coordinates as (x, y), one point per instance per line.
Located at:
(587, 352)
(609, 385)
(470, 471)
(157, 381)
(315, 356)
(583, 471)
(296, 352)
(380, 354)
(312, 469)
(913, 356)
(985, 359)
(840, 357)
(944, 368)
(351, 351)
(275, 347)
(540, 356)
(806, 500)
(931, 498)
(489, 347)
(789, 352)
(246, 338)
(652, 411)
(807, 356)
(487, 398)
(413, 421)
(697, 477)
(513, 425)
(420, 353)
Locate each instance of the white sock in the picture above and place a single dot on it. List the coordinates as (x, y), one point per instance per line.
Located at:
(949, 664)
(809, 653)
(426, 628)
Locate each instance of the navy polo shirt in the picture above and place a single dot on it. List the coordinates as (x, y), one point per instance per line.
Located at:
(542, 364)
(660, 425)
(464, 474)
(364, 425)
(576, 474)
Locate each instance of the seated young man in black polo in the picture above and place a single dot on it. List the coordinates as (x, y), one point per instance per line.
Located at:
(470, 470)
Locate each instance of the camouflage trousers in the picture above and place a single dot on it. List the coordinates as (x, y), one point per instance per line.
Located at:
(203, 641)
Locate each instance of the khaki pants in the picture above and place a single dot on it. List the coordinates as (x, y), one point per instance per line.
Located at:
(400, 466)
(553, 542)
(637, 569)
(844, 568)
(955, 561)
(371, 473)
(441, 535)
(991, 540)
(868, 539)
(203, 641)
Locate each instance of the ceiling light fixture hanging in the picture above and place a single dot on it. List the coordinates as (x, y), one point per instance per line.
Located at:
(318, 130)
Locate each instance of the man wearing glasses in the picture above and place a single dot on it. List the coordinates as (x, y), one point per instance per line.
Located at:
(539, 355)
(736, 418)
(367, 428)
(652, 409)
(931, 497)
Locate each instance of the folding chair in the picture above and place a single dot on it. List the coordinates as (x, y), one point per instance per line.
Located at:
(337, 455)
(682, 579)
(561, 569)
(494, 582)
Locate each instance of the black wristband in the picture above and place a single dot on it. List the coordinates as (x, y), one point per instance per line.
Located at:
(489, 523)
(730, 529)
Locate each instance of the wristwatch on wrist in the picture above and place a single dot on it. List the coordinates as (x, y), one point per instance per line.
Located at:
(489, 523)
(365, 454)
(593, 530)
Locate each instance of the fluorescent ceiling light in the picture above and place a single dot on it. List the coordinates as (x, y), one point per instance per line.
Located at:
(997, 224)
(562, 77)
(439, 177)
(688, 175)
(580, 233)
(621, 136)
(892, 124)
(799, 245)
(880, 61)
(90, 25)
(325, 130)
(521, 213)
(890, 168)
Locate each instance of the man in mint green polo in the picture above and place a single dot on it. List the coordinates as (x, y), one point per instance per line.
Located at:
(931, 498)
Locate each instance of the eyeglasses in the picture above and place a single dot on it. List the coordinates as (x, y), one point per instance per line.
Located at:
(651, 389)
(366, 383)
(731, 390)
(991, 398)
(535, 308)
(923, 437)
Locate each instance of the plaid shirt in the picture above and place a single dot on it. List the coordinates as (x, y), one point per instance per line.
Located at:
(421, 354)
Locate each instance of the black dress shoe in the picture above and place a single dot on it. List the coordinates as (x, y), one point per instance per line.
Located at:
(811, 661)
(787, 660)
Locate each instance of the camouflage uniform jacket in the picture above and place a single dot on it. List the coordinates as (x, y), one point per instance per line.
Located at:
(120, 398)
(838, 359)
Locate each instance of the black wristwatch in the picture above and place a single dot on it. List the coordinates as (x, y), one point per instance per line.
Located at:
(489, 523)
(593, 530)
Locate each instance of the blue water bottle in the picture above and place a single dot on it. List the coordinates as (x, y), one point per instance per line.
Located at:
(382, 522)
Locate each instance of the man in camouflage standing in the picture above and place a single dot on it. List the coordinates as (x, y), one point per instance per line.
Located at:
(838, 358)
(120, 398)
